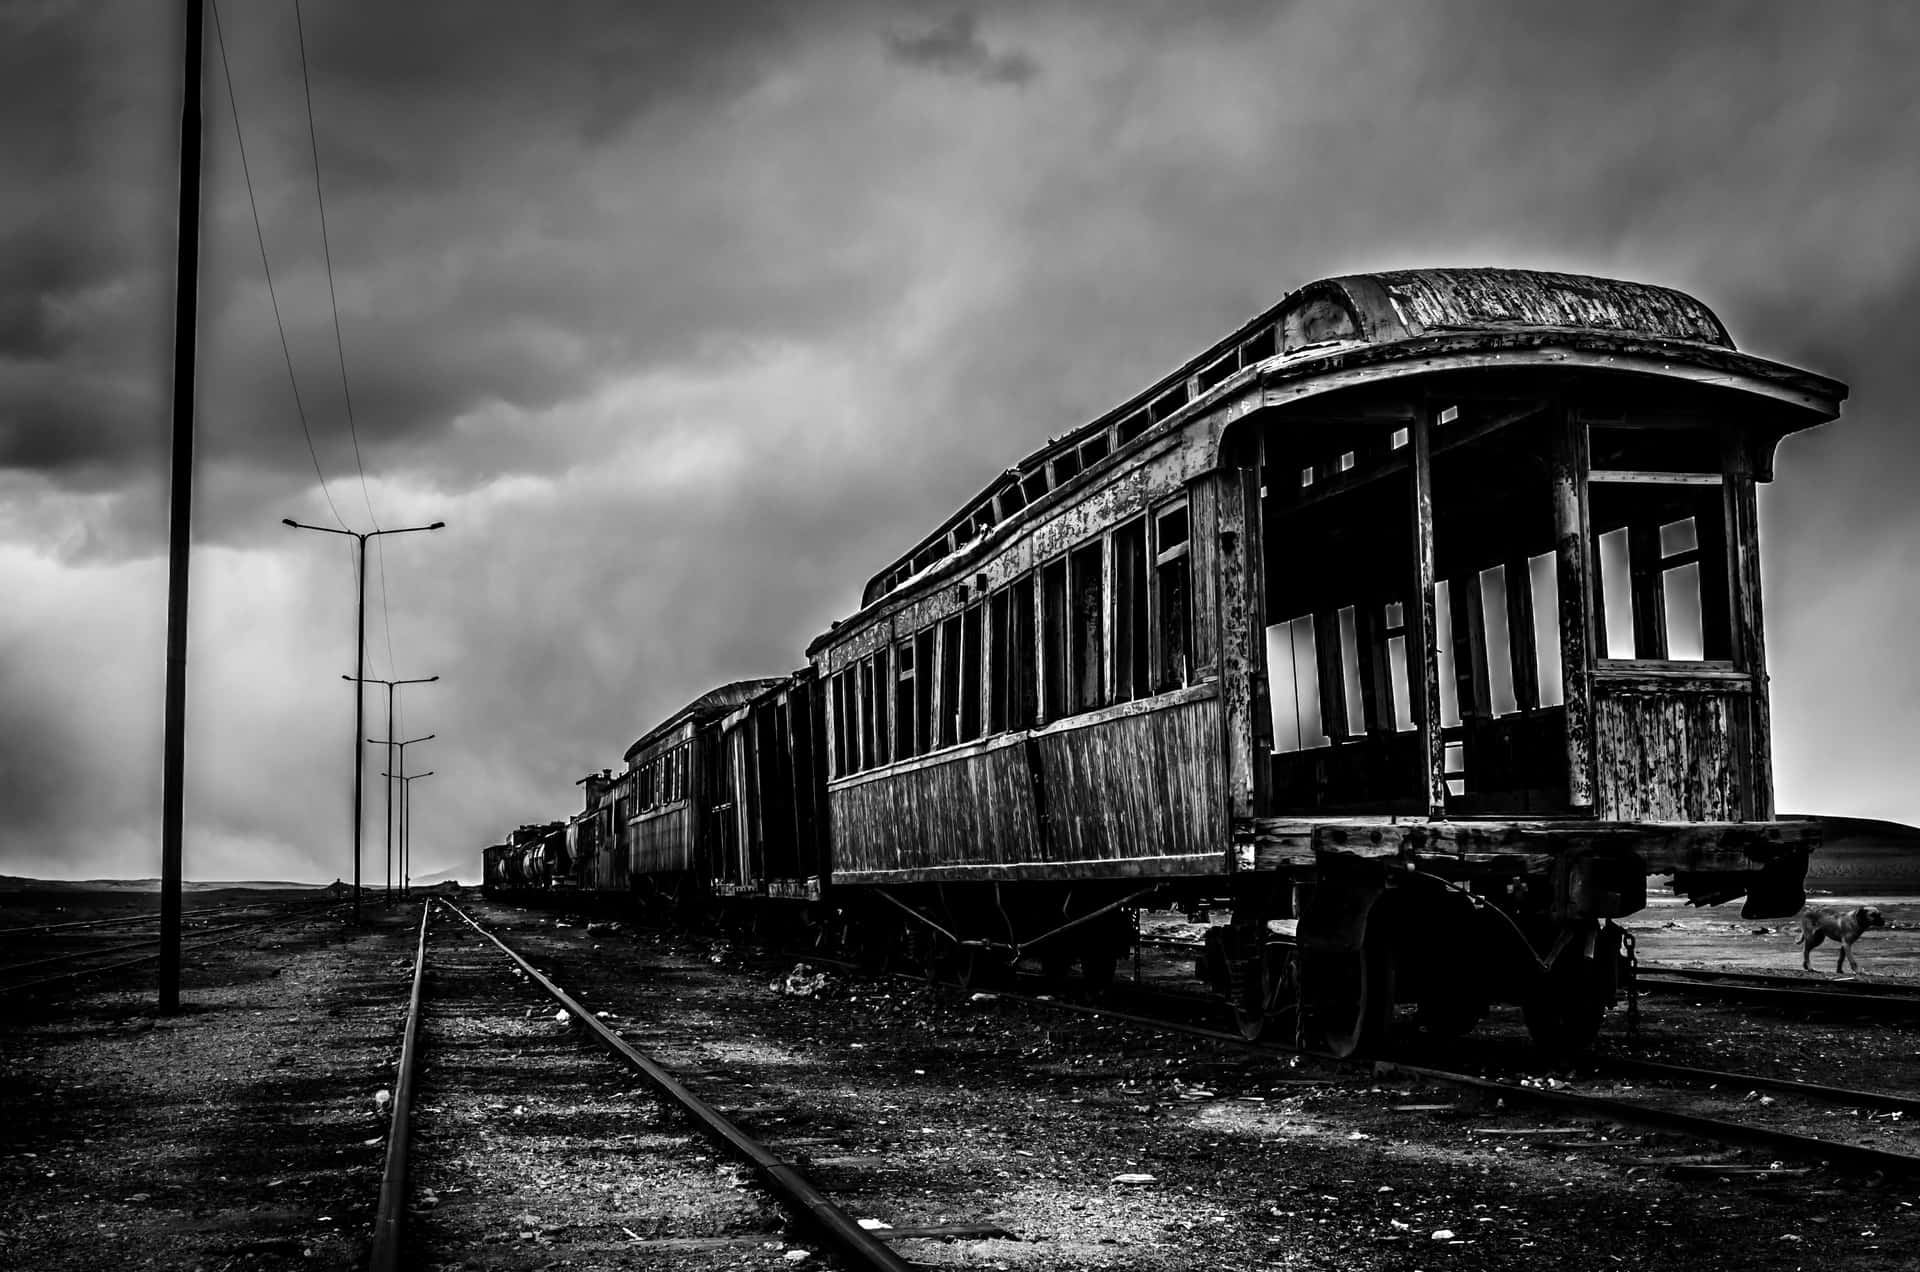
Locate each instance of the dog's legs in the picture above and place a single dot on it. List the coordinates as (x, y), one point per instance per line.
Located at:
(1806, 953)
(1846, 954)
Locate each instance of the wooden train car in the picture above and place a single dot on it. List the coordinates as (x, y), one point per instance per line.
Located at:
(1419, 620)
(770, 836)
(595, 835)
(673, 771)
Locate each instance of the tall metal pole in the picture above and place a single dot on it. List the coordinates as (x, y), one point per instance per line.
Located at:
(359, 677)
(186, 284)
(388, 785)
(359, 725)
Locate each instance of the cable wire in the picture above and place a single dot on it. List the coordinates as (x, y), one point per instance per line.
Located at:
(286, 351)
(339, 341)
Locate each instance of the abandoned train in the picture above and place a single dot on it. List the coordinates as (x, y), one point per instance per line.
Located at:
(1416, 623)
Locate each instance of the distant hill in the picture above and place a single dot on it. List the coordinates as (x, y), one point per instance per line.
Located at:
(16, 883)
(1864, 854)
(441, 876)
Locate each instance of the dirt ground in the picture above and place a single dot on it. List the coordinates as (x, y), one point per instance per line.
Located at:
(246, 1132)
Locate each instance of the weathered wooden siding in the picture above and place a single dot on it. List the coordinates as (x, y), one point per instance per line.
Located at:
(1128, 784)
(1675, 756)
(663, 840)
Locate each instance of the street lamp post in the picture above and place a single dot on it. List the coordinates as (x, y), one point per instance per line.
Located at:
(399, 772)
(406, 823)
(360, 672)
(391, 686)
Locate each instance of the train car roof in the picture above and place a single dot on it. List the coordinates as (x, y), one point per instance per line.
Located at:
(712, 703)
(1350, 313)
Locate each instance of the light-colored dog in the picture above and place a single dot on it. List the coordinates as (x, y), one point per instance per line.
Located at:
(1844, 926)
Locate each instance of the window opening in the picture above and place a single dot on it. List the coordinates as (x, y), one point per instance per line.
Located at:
(999, 674)
(1395, 630)
(1023, 693)
(904, 711)
(923, 692)
(1053, 648)
(1293, 677)
(1130, 612)
(865, 759)
(1350, 672)
(1174, 587)
(880, 692)
(1662, 560)
(970, 674)
(1616, 596)
(949, 657)
(1087, 666)
(840, 724)
(1493, 611)
(1443, 655)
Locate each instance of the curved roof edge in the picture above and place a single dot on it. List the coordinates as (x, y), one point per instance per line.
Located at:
(713, 703)
(1348, 309)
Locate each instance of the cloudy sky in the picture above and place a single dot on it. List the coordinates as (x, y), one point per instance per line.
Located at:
(687, 318)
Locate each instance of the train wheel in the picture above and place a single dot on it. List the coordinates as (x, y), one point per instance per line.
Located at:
(1056, 961)
(1348, 997)
(1097, 968)
(1564, 1011)
(1448, 1015)
(1266, 987)
(977, 967)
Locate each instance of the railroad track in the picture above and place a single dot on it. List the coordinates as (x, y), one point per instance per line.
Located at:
(1714, 1105)
(1877, 999)
(106, 955)
(149, 918)
(506, 1083)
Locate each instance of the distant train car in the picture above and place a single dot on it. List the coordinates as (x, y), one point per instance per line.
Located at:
(1418, 620)
(770, 835)
(493, 869)
(673, 770)
(594, 838)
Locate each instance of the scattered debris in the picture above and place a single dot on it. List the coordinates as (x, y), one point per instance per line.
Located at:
(1133, 1177)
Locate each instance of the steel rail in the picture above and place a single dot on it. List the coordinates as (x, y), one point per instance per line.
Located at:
(1627, 1066)
(125, 920)
(390, 1217)
(853, 1241)
(1855, 1004)
(1624, 1111)
(1773, 980)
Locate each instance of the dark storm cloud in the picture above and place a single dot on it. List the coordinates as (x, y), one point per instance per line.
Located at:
(954, 47)
(687, 319)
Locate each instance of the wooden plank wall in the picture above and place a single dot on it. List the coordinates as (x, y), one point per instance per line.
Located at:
(1672, 756)
(1143, 784)
(663, 841)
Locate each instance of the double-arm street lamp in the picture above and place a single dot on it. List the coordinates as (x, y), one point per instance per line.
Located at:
(359, 676)
(391, 686)
(406, 822)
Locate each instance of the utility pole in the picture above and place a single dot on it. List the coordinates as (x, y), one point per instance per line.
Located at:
(399, 772)
(359, 677)
(186, 291)
(406, 823)
(391, 685)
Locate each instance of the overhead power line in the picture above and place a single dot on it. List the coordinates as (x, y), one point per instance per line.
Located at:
(259, 234)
